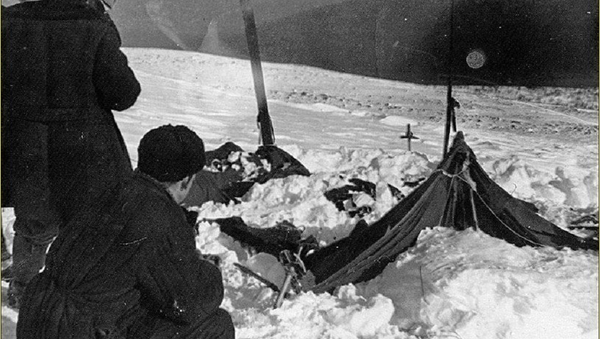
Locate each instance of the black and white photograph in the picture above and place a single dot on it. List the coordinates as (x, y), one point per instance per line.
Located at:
(299, 169)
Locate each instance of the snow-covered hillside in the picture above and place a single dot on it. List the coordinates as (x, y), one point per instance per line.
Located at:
(451, 284)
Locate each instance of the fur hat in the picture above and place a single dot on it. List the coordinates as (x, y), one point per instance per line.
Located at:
(170, 153)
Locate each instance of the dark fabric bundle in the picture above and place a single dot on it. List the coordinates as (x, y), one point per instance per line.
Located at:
(272, 240)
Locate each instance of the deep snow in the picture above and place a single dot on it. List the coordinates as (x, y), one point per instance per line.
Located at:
(451, 284)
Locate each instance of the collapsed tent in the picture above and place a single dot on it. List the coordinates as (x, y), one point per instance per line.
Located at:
(273, 240)
(231, 172)
(343, 197)
(458, 194)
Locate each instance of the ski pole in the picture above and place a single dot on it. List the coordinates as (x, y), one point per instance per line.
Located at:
(286, 286)
(409, 135)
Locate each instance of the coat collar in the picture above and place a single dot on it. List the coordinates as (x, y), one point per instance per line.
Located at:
(153, 183)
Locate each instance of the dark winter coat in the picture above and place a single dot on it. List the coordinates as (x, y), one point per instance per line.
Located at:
(121, 267)
(62, 74)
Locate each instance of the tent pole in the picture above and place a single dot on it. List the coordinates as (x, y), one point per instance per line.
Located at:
(449, 100)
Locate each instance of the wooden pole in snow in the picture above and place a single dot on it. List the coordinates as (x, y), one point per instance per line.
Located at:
(449, 100)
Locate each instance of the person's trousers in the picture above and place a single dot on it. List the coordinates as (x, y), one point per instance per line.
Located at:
(30, 244)
(50, 171)
(5, 254)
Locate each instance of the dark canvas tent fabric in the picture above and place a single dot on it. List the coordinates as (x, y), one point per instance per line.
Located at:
(281, 163)
(458, 194)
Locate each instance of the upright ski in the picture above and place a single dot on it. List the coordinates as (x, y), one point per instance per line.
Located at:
(264, 120)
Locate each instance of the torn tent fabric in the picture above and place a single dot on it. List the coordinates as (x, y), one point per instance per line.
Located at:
(458, 194)
(282, 164)
(231, 172)
(344, 197)
(272, 240)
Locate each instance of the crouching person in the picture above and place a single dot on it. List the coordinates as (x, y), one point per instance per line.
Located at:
(128, 267)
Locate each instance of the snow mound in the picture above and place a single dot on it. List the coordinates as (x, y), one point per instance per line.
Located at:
(301, 201)
(476, 286)
(563, 187)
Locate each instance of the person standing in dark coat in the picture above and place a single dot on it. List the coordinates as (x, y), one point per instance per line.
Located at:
(137, 272)
(62, 75)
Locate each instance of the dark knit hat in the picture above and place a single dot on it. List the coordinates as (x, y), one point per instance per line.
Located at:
(170, 153)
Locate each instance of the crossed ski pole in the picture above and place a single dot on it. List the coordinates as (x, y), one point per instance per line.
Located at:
(409, 135)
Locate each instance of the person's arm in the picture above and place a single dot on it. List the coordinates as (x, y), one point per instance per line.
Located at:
(116, 85)
(174, 281)
(209, 186)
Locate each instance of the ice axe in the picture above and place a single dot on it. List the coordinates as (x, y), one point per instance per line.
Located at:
(294, 269)
(263, 120)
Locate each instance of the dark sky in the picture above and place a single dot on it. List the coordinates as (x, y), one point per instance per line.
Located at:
(516, 42)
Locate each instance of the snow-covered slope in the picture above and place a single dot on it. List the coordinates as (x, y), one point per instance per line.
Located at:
(451, 284)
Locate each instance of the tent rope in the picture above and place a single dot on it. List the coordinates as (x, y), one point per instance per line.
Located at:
(452, 177)
(504, 224)
(459, 176)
